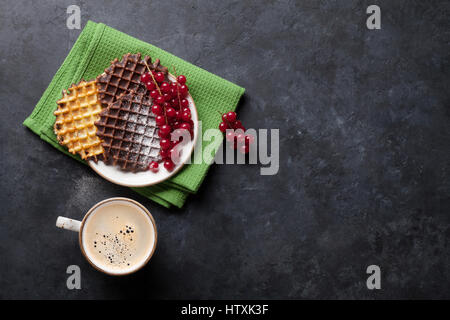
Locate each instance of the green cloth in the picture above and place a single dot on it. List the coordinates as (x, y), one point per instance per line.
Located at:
(99, 44)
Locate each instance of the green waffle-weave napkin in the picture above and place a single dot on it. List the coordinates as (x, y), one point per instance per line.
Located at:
(99, 44)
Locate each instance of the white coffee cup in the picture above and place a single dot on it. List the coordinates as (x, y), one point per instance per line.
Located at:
(107, 232)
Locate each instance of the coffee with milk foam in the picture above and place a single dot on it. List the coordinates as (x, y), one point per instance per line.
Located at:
(118, 237)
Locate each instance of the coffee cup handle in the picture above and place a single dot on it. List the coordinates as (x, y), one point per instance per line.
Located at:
(68, 224)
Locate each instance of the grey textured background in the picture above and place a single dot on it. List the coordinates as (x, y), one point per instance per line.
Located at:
(365, 153)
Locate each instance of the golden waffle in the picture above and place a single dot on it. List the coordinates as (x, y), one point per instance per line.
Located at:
(125, 75)
(77, 111)
(129, 132)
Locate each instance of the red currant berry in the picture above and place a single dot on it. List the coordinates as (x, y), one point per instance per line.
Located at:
(150, 86)
(249, 139)
(186, 116)
(174, 85)
(224, 118)
(240, 137)
(168, 164)
(165, 144)
(223, 126)
(184, 103)
(164, 131)
(160, 100)
(170, 112)
(181, 79)
(164, 153)
(173, 92)
(154, 94)
(185, 126)
(187, 110)
(178, 115)
(160, 120)
(244, 149)
(231, 116)
(238, 125)
(176, 124)
(183, 90)
(159, 77)
(166, 105)
(165, 87)
(171, 121)
(146, 77)
(167, 97)
(174, 153)
(229, 136)
(153, 166)
(157, 110)
(174, 102)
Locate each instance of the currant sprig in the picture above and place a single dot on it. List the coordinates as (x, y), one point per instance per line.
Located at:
(236, 135)
(171, 109)
(150, 73)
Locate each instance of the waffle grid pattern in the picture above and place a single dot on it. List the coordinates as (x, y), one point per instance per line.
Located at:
(77, 111)
(129, 132)
(124, 76)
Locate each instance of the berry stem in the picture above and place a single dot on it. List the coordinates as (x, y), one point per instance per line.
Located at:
(153, 78)
(165, 115)
(157, 87)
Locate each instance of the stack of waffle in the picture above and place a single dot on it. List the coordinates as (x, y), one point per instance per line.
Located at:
(110, 118)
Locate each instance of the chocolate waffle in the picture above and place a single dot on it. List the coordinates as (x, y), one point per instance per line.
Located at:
(129, 132)
(76, 113)
(124, 75)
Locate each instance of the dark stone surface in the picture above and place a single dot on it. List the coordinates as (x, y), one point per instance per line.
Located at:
(364, 166)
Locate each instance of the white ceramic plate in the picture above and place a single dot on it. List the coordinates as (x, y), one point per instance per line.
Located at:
(147, 178)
